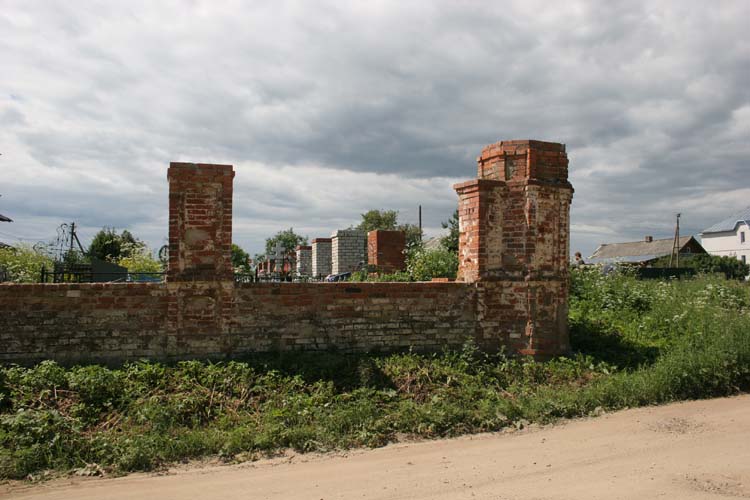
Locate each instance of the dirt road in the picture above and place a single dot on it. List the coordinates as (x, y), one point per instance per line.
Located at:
(682, 451)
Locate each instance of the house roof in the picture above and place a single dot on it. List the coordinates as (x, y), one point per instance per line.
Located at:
(5, 219)
(636, 251)
(433, 243)
(730, 222)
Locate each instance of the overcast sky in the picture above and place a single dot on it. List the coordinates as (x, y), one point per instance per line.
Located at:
(328, 109)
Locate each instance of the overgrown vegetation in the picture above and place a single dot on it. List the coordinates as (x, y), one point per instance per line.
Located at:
(636, 343)
(22, 264)
(730, 267)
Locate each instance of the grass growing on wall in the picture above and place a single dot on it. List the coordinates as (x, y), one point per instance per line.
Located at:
(636, 342)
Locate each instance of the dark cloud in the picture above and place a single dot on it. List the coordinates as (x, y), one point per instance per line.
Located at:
(328, 109)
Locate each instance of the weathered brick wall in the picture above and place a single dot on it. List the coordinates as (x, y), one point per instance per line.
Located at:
(347, 250)
(385, 250)
(304, 260)
(512, 290)
(321, 257)
(112, 323)
(352, 317)
(92, 322)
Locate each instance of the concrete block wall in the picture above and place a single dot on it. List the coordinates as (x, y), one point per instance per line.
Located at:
(347, 250)
(321, 257)
(304, 260)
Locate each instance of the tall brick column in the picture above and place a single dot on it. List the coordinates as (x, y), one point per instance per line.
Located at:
(200, 276)
(514, 225)
(200, 222)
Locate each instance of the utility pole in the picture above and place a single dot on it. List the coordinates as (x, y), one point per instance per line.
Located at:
(676, 245)
(72, 236)
(420, 222)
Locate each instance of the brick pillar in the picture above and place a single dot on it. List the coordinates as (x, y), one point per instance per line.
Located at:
(385, 250)
(347, 250)
(200, 280)
(200, 222)
(321, 257)
(515, 224)
(304, 260)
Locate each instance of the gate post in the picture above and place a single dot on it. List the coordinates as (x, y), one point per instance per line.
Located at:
(200, 277)
(514, 222)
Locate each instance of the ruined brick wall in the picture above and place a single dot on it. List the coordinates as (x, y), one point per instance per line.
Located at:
(512, 290)
(352, 317)
(88, 322)
(385, 250)
(347, 250)
(304, 260)
(514, 223)
(321, 257)
(112, 323)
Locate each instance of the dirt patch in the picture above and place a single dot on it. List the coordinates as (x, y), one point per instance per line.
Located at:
(694, 450)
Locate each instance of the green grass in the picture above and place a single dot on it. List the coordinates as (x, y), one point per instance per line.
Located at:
(636, 342)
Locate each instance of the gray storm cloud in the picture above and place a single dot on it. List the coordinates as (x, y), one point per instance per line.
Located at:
(329, 109)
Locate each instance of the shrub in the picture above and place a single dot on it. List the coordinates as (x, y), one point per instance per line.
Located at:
(23, 264)
(423, 265)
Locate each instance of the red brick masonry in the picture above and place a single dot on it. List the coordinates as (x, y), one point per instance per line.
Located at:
(512, 290)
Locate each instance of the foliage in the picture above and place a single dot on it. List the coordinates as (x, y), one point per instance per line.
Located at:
(22, 263)
(387, 220)
(450, 242)
(730, 267)
(384, 220)
(423, 265)
(138, 259)
(413, 234)
(108, 245)
(636, 342)
(240, 258)
(288, 239)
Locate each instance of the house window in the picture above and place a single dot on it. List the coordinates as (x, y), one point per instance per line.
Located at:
(742, 236)
(744, 261)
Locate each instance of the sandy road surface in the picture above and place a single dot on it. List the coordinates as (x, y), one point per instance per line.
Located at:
(682, 451)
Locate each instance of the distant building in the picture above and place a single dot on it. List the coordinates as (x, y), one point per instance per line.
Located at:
(643, 252)
(730, 237)
(4, 219)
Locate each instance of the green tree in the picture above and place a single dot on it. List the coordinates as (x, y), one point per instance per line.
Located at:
(387, 220)
(288, 239)
(384, 220)
(108, 245)
(239, 257)
(22, 264)
(450, 242)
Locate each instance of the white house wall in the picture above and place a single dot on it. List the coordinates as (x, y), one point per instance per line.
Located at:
(729, 243)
